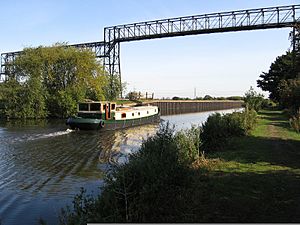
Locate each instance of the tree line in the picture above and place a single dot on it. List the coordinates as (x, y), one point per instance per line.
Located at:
(49, 81)
(282, 81)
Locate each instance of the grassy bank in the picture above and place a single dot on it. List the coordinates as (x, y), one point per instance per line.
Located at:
(254, 178)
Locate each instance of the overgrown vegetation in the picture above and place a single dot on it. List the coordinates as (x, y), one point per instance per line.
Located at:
(143, 189)
(49, 81)
(295, 121)
(218, 128)
(283, 83)
(253, 100)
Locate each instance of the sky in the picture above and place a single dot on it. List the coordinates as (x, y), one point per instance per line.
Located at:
(220, 64)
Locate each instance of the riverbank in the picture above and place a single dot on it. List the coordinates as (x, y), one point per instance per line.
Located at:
(255, 178)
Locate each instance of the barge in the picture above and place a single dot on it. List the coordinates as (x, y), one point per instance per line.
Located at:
(108, 116)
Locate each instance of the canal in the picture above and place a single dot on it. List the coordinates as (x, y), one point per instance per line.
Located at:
(43, 164)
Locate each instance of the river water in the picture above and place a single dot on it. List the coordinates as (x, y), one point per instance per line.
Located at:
(43, 164)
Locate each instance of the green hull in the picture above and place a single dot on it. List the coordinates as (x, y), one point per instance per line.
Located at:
(83, 123)
(99, 124)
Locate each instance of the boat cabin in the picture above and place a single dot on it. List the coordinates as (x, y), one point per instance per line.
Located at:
(97, 110)
(130, 113)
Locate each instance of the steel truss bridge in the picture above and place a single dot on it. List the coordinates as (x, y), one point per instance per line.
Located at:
(241, 20)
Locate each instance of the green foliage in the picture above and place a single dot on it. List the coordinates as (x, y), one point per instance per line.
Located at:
(290, 94)
(23, 100)
(281, 69)
(295, 122)
(50, 81)
(235, 98)
(284, 85)
(253, 100)
(140, 190)
(208, 97)
(83, 209)
(114, 87)
(133, 96)
(188, 142)
(247, 119)
(218, 128)
(268, 104)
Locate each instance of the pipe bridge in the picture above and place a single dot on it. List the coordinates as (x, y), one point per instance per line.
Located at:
(241, 20)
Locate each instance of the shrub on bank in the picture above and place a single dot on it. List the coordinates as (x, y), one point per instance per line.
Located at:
(188, 142)
(218, 128)
(253, 100)
(142, 190)
(295, 122)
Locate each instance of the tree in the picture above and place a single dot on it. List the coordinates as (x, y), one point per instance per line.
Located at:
(114, 87)
(176, 98)
(289, 91)
(133, 96)
(51, 80)
(253, 100)
(281, 69)
(208, 97)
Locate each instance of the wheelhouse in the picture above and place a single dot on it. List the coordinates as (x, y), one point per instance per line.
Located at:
(97, 110)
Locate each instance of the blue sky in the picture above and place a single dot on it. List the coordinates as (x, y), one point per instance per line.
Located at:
(223, 64)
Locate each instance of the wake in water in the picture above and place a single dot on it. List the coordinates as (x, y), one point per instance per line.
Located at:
(54, 134)
(33, 137)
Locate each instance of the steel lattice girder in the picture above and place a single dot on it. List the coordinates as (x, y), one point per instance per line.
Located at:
(109, 49)
(263, 18)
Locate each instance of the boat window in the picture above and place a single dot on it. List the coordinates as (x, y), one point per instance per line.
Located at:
(95, 107)
(139, 113)
(154, 110)
(123, 115)
(113, 106)
(83, 107)
(147, 112)
(132, 114)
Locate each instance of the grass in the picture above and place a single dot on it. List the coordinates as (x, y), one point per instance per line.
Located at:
(255, 178)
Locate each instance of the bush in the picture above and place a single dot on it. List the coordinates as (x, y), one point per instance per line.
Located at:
(188, 142)
(208, 97)
(235, 98)
(140, 190)
(253, 100)
(133, 96)
(289, 91)
(268, 104)
(218, 128)
(295, 122)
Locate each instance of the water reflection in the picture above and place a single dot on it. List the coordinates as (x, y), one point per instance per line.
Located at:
(43, 164)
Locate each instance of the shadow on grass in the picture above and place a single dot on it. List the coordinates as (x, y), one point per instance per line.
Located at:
(245, 197)
(254, 149)
(257, 149)
(276, 118)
